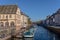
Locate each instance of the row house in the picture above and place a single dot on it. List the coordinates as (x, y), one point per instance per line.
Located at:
(54, 19)
(11, 20)
(24, 19)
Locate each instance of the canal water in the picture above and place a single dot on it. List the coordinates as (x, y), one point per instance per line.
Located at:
(40, 33)
(43, 34)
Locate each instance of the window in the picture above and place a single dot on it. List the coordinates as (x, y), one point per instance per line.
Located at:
(1, 24)
(12, 24)
(53, 20)
(7, 16)
(6, 24)
(25, 23)
(10, 16)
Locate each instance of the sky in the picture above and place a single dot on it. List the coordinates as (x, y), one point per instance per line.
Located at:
(35, 9)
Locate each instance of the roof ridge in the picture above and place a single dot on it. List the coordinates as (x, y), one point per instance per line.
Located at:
(9, 5)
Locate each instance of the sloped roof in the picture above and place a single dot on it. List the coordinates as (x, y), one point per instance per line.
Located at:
(57, 12)
(8, 9)
(24, 14)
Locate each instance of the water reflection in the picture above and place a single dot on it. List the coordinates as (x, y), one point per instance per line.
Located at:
(39, 33)
(44, 34)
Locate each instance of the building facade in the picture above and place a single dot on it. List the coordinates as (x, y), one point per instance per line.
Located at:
(11, 20)
(24, 20)
(54, 19)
